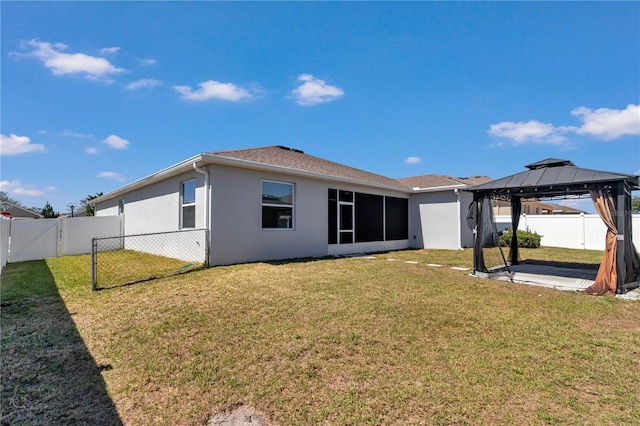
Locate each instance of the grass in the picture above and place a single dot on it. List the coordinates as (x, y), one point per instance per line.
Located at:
(123, 267)
(339, 341)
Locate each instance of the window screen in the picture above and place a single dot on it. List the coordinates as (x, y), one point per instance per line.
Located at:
(396, 218)
(369, 217)
(332, 215)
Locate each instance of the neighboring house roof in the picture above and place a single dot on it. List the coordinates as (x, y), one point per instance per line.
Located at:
(474, 180)
(537, 207)
(428, 183)
(550, 207)
(19, 212)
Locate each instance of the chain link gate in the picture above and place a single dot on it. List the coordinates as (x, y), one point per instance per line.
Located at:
(128, 259)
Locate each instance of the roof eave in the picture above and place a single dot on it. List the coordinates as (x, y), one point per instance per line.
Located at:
(418, 190)
(173, 170)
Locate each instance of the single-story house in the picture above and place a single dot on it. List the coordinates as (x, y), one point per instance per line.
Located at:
(276, 202)
(14, 211)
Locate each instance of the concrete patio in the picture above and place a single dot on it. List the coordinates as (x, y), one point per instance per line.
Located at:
(555, 277)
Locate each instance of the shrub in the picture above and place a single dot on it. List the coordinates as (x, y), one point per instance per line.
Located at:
(526, 239)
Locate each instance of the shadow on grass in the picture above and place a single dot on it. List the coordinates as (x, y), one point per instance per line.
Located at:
(115, 284)
(48, 374)
(561, 264)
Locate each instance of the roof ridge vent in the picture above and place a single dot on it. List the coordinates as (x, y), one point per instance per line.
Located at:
(286, 148)
(549, 162)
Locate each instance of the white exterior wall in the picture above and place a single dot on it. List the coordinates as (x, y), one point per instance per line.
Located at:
(156, 208)
(236, 215)
(437, 220)
(236, 219)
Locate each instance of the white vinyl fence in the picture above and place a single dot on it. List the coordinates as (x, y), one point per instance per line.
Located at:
(5, 229)
(67, 236)
(583, 231)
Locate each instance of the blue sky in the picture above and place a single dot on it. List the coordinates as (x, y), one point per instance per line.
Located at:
(99, 94)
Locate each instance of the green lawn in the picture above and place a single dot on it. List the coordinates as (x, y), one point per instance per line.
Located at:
(330, 341)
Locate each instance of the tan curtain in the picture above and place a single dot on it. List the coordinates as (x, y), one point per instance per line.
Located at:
(607, 278)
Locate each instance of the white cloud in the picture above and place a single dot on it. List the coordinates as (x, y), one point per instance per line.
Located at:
(76, 135)
(145, 62)
(145, 83)
(116, 142)
(16, 145)
(608, 124)
(314, 91)
(109, 50)
(61, 63)
(91, 150)
(602, 123)
(413, 160)
(530, 132)
(16, 188)
(213, 90)
(111, 175)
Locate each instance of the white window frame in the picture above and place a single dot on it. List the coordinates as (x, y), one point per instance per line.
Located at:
(292, 205)
(183, 204)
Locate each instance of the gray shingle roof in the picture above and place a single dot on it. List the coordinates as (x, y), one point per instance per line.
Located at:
(298, 160)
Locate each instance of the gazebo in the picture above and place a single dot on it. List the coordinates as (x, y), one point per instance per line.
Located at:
(556, 178)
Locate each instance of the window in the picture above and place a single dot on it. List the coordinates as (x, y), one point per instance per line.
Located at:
(277, 205)
(188, 203)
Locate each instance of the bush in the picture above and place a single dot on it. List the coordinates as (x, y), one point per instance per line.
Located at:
(526, 239)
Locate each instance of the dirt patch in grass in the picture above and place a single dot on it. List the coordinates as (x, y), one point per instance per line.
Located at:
(238, 416)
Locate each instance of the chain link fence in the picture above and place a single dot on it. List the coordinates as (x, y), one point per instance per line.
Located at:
(128, 259)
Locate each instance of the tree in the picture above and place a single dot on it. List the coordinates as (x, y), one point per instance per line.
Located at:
(4, 197)
(47, 211)
(89, 208)
(635, 204)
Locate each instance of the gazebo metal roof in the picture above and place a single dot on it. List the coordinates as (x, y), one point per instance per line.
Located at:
(553, 177)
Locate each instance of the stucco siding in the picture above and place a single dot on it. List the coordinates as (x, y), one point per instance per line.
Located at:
(107, 208)
(236, 218)
(156, 208)
(434, 220)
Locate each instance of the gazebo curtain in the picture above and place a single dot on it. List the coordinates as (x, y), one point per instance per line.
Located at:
(607, 277)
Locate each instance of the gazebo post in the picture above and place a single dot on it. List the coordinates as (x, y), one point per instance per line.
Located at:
(621, 225)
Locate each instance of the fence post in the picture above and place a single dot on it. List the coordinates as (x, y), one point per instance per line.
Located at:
(94, 246)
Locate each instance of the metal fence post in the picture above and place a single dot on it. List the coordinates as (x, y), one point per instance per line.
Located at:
(94, 246)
